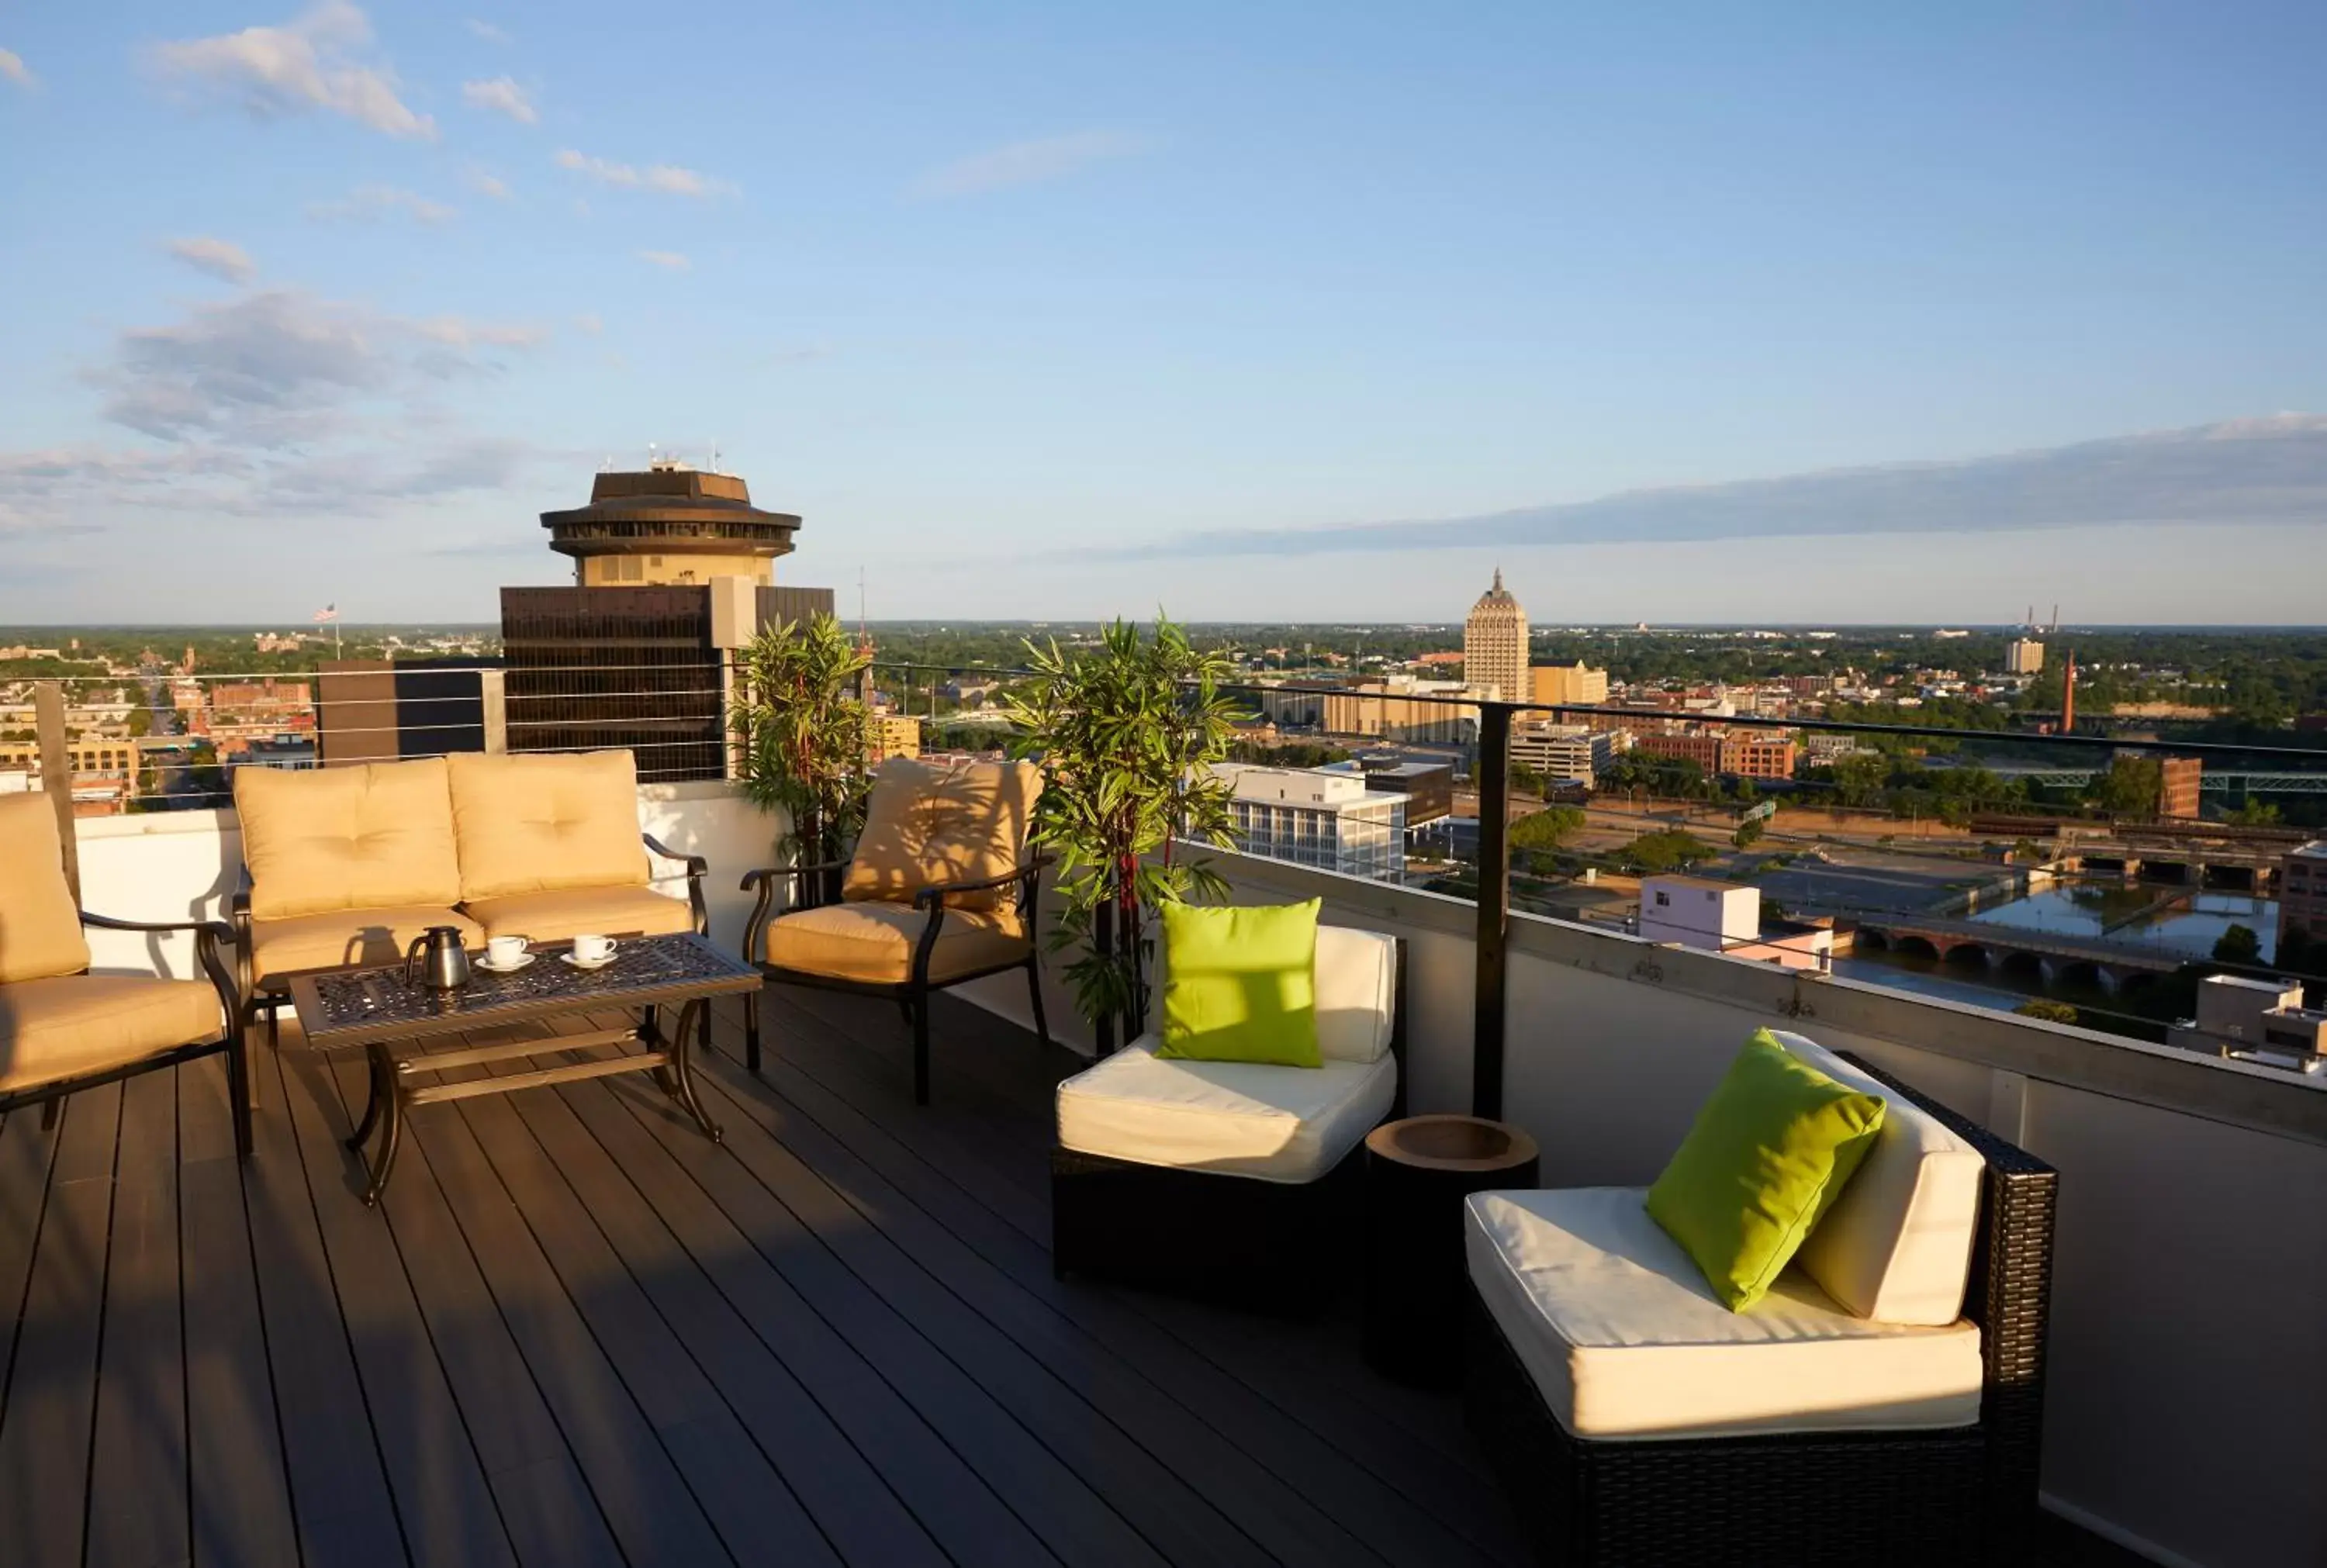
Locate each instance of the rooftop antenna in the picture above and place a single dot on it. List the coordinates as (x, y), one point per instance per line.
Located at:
(2056, 615)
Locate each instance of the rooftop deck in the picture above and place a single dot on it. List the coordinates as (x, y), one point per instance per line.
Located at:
(577, 1332)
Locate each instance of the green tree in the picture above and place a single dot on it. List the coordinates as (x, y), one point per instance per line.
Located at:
(802, 730)
(1669, 849)
(1548, 828)
(2049, 1010)
(2253, 813)
(2129, 787)
(2239, 945)
(1859, 776)
(1748, 833)
(1127, 734)
(1526, 780)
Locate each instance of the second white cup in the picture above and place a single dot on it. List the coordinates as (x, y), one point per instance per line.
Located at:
(594, 949)
(505, 951)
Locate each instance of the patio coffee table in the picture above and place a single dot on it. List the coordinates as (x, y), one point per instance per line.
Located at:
(375, 1009)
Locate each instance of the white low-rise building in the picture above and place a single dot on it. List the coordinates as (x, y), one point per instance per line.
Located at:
(1312, 817)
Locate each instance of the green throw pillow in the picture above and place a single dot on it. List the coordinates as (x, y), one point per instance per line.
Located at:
(1770, 1151)
(1240, 984)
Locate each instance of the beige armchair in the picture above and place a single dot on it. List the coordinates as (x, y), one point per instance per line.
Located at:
(941, 889)
(62, 1029)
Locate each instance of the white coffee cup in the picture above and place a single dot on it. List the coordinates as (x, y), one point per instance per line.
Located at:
(594, 949)
(505, 951)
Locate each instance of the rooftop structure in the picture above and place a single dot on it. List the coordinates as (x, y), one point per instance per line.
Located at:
(669, 525)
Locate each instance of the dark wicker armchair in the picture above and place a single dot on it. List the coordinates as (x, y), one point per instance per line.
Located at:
(1951, 1496)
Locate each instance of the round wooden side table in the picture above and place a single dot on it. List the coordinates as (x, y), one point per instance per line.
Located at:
(1417, 1174)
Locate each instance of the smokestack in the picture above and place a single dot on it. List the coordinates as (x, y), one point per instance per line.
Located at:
(2069, 694)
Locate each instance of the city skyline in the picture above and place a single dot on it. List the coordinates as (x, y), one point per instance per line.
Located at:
(1093, 315)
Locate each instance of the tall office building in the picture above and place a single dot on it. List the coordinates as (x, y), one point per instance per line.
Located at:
(2023, 656)
(1495, 645)
(674, 567)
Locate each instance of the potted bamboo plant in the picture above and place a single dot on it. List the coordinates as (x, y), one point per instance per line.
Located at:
(799, 721)
(1125, 734)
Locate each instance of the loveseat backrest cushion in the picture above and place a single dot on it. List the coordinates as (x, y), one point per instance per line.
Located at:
(40, 929)
(1896, 1246)
(371, 836)
(1357, 993)
(535, 824)
(938, 822)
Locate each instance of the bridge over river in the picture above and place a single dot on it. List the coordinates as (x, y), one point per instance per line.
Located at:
(2102, 961)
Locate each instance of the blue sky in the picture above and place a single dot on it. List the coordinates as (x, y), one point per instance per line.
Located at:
(328, 304)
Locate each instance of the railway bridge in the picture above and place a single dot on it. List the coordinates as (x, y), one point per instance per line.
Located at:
(2103, 962)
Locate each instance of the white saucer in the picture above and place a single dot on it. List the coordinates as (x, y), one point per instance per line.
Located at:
(490, 967)
(570, 960)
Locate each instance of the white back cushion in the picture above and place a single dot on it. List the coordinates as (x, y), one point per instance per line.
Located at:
(1357, 986)
(1896, 1246)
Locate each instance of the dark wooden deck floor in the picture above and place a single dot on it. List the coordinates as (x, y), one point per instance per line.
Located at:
(579, 1333)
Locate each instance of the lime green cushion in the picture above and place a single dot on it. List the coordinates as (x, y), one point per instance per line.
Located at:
(1770, 1150)
(1240, 984)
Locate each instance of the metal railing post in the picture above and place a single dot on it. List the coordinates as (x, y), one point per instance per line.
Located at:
(1488, 1017)
(56, 771)
(493, 687)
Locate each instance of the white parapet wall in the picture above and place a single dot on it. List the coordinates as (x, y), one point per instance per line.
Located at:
(179, 865)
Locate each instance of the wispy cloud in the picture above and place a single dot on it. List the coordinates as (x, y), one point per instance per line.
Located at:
(488, 31)
(376, 201)
(668, 178)
(2267, 470)
(222, 258)
(590, 322)
(1028, 163)
(12, 67)
(319, 60)
(670, 259)
(485, 182)
(501, 95)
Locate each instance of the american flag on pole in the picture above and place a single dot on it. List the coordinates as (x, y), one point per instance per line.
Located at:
(328, 612)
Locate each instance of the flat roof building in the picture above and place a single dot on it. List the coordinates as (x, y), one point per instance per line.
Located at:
(1318, 818)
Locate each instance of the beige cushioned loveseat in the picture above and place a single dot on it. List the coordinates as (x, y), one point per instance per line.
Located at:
(347, 865)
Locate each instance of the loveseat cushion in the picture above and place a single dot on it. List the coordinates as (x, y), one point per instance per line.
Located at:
(1897, 1244)
(379, 835)
(71, 1024)
(873, 944)
(338, 938)
(40, 929)
(533, 824)
(567, 912)
(1622, 1335)
(938, 822)
(1278, 1123)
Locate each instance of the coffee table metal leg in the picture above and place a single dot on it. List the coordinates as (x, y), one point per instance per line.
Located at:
(678, 1079)
(391, 1111)
(374, 1090)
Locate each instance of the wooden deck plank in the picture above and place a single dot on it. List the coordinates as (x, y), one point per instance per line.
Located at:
(434, 1473)
(1373, 1462)
(654, 1517)
(238, 1489)
(717, 1211)
(743, 1496)
(1058, 1506)
(137, 1506)
(544, 1504)
(27, 1150)
(1074, 1398)
(340, 1495)
(50, 1403)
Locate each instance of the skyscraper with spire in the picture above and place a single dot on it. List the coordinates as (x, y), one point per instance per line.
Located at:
(1495, 645)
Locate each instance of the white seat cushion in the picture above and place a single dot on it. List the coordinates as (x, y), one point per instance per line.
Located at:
(1625, 1339)
(1357, 990)
(1237, 1118)
(1896, 1246)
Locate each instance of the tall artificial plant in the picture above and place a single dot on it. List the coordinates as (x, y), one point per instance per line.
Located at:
(799, 723)
(1127, 734)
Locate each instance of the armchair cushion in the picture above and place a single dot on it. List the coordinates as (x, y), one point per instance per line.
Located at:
(938, 822)
(336, 938)
(1897, 1244)
(874, 943)
(565, 912)
(1277, 1123)
(536, 824)
(1357, 993)
(374, 836)
(40, 929)
(70, 1024)
(1622, 1334)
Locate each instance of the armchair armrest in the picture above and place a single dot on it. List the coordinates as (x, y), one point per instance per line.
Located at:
(763, 880)
(212, 940)
(237, 905)
(752, 878)
(697, 868)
